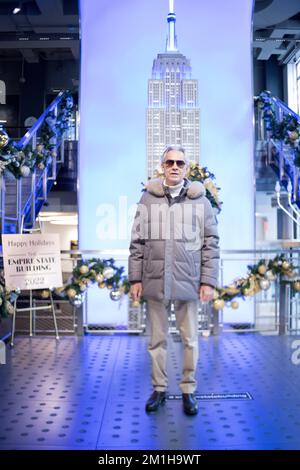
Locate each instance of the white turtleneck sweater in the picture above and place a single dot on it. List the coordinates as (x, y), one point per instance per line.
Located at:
(175, 189)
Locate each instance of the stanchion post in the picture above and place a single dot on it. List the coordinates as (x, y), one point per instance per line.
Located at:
(283, 307)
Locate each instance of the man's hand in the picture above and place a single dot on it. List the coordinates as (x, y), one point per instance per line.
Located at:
(136, 291)
(206, 293)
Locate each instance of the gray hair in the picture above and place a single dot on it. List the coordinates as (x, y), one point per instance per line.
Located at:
(174, 147)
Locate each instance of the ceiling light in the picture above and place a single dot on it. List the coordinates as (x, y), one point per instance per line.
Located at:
(16, 10)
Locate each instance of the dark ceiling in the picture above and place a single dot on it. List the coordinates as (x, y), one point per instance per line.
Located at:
(47, 29)
(276, 29)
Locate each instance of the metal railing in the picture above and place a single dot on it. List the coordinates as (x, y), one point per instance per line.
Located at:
(273, 311)
(21, 199)
(280, 155)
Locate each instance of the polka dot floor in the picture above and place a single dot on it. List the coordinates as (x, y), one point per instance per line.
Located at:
(89, 393)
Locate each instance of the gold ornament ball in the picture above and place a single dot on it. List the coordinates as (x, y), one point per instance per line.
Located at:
(45, 294)
(285, 265)
(4, 139)
(136, 303)
(262, 269)
(101, 285)
(234, 304)
(293, 136)
(10, 308)
(71, 293)
(219, 304)
(99, 278)
(84, 269)
(296, 285)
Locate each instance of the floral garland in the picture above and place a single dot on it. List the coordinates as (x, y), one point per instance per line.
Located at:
(202, 174)
(7, 298)
(287, 130)
(259, 278)
(21, 163)
(107, 275)
(94, 271)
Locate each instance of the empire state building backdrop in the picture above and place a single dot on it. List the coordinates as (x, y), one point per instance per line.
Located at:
(173, 110)
(120, 143)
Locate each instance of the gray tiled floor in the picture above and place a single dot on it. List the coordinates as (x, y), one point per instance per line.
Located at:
(89, 393)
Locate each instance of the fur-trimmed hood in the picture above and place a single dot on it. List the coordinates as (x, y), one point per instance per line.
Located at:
(195, 189)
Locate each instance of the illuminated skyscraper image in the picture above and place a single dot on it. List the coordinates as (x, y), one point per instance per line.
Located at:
(173, 112)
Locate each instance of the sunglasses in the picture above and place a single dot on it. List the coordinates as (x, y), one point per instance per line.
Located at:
(179, 163)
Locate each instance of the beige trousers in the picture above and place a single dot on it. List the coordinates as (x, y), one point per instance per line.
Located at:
(187, 323)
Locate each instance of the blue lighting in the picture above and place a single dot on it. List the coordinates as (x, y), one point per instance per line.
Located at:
(116, 64)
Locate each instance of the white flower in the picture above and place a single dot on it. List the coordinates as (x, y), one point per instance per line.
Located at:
(25, 170)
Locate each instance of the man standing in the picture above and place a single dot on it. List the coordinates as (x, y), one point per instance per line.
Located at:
(174, 256)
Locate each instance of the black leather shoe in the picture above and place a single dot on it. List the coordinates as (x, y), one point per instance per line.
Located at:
(190, 405)
(155, 401)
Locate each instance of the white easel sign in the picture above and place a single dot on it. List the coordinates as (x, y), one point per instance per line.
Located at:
(32, 261)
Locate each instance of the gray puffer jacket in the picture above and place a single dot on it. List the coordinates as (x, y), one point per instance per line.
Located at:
(174, 242)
